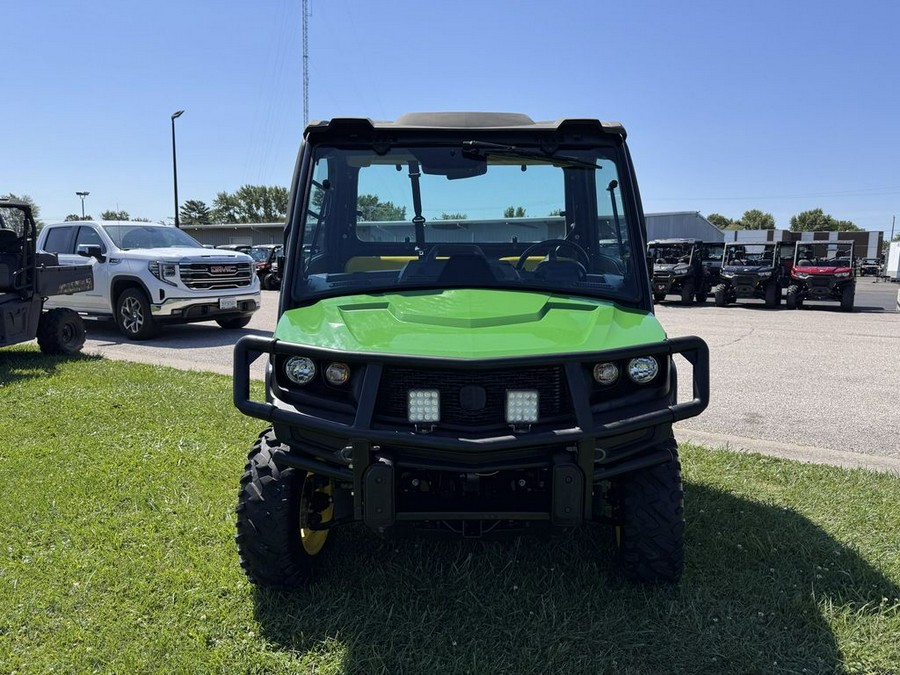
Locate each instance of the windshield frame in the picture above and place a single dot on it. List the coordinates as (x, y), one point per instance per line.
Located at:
(609, 148)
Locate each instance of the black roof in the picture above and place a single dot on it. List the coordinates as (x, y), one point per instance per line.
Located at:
(499, 121)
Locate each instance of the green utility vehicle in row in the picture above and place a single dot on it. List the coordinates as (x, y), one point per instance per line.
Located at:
(466, 345)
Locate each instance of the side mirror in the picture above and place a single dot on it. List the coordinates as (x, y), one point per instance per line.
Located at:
(91, 251)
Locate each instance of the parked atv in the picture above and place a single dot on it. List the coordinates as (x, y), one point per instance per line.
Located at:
(681, 267)
(753, 271)
(822, 270)
(28, 278)
(499, 373)
(266, 258)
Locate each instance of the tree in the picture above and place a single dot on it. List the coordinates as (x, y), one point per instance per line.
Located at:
(251, 204)
(369, 207)
(35, 209)
(754, 219)
(454, 216)
(195, 212)
(815, 220)
(514, 212)
(114, 215)
(720, 221)
(75, 216)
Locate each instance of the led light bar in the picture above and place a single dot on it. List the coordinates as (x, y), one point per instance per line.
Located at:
(521, 406)
(423, 406)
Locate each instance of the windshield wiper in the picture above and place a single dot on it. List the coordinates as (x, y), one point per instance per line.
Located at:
(484, 148)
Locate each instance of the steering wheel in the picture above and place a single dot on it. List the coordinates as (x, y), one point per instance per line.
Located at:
(553, 245)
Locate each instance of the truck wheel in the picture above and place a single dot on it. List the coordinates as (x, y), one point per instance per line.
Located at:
(60, 331)
(233, 324)
(773, 295)
(792, 298)
(719, 295)
(271, 282)
(687, 293)
(648, 505)
(847, 297)
(133, 315)
(275, 505)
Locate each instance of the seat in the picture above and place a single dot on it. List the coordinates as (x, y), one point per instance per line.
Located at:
(10, 246)
(803, 262)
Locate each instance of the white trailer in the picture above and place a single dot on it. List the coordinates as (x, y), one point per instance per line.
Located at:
(892, 266)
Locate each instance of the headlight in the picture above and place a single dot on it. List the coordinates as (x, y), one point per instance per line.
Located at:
(680, 269)
(643, 369)
(423, 405)
(801, 275)
(300, 369)
(521, 406)
(842, 274)
(167, 272)
(606, 373)
(764, 272)
(337, 373)
(726, 274)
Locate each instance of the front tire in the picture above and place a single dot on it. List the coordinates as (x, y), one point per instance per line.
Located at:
(792, 298)
(60, 331)
(233, 324)
(773, 295)
(719, 295)
(275, 505)
(648, 506)
(133, 315)
(659, 297)
(848, 295)
(687, 293)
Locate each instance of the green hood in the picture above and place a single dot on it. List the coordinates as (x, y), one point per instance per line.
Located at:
(466, 323)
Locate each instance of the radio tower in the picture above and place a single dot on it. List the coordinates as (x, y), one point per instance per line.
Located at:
(305, 63)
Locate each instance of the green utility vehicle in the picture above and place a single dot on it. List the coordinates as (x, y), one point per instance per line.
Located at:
(466, 345)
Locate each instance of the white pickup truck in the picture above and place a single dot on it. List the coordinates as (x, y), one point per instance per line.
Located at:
(147, 274)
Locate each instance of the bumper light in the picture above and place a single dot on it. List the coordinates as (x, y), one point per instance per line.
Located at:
(606, 373)
(337, 373)
(423, 406)
(521, 406)
(300, 369)
(643, 369)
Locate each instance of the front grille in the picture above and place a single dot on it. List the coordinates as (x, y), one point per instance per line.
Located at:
(396, 382)
(742, 280)
(819, 282)
(209, 276)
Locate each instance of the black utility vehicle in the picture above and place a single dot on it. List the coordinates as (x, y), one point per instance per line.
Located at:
(757, 271)
(266, 258)
(27, 278)
(822, 270)
(466, 346)
(688, 268)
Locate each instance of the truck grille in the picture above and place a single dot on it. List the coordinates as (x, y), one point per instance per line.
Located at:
(208, 276)
(396, 382)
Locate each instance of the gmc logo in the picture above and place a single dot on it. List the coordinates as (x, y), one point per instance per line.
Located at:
(223, 269)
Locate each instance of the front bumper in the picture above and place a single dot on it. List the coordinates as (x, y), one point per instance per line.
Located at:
(206, 307)
(601, 442)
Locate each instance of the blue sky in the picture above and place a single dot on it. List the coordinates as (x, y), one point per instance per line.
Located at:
(782, 106)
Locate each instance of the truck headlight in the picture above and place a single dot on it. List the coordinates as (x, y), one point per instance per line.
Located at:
(300, 369)
(521, 406)
(842, 274)
(423, 405)
(337, 373)
(167, 272)
(643, 369)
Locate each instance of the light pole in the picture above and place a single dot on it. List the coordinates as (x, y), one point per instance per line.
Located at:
(82, 195)
(179, 113)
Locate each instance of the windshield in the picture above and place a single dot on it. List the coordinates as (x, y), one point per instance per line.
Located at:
(663, 253)
(749, 255)
(454, 216)
(128, 236)
(824, 254)
(261, 254)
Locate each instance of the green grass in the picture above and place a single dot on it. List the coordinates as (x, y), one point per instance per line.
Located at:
(117, 488)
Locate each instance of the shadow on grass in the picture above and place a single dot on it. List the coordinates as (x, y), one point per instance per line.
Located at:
(753, 600)
(25, 363)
